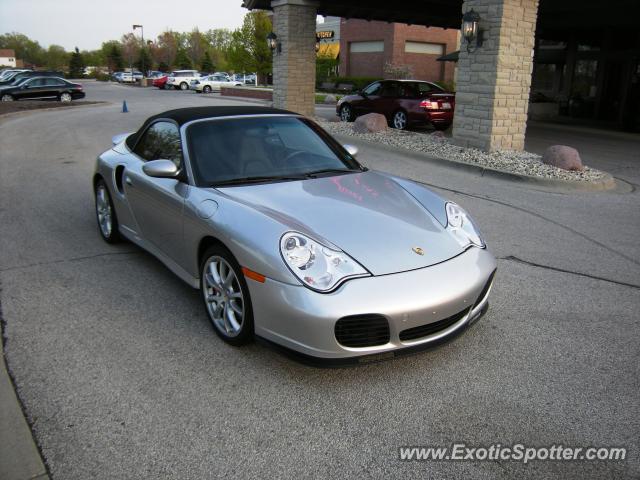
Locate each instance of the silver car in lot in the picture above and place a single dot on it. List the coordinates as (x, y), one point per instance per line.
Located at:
(289, 238)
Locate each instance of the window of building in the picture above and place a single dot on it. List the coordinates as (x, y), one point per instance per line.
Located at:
(423, 47)
(366, 47)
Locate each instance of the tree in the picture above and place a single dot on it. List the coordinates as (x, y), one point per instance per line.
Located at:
(183, 61)
(56, 57)
(248, 49)
(112, 52)
(130, 48)
(76, 64)
(207, 65)
(144, 61)
(165, 49)
(25, 49)
(163, 67)
(196, 45)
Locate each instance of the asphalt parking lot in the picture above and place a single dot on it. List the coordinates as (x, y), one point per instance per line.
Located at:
(122, 376)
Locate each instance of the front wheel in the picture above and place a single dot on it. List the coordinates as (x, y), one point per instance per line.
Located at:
(65, 97)
(7, 98)
(346, 113)
(106, 214)
(206, 89)
(226, 296)
(399, 120)
(184, 86)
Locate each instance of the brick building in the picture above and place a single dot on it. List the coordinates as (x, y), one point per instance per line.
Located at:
(369, 48)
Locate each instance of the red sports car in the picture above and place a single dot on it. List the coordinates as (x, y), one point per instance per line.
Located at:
(160, 82)
(403, 102)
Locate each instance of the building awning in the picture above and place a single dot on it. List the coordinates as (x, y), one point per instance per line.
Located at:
(329, 50)
(449, 57)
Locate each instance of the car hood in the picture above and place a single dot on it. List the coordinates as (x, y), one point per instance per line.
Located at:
(368, 215)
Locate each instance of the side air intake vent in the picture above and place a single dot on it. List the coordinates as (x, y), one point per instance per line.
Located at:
(359, 331)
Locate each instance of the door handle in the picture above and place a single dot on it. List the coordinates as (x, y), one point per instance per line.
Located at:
(128, 180)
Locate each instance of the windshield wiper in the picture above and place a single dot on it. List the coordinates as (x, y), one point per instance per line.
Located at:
(249, 180)
(315, 173)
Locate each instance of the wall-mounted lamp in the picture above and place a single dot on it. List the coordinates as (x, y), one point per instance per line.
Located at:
(274, 44)
(470, 29)
(317, 46)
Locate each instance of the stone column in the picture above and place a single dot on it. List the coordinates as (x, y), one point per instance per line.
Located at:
(493, 81)
(294, 67)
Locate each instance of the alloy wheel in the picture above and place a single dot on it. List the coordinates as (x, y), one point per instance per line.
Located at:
(183, 86)
(103, 210)
(7, 98)
(345, 113)
(223, 296)
(207, 89)
(400, 120)
(65, 97)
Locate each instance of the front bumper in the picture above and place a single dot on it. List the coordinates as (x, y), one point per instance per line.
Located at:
(299, 319)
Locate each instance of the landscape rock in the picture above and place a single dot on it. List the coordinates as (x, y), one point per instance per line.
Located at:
(370, 123)
(562, 156)
(330, 99)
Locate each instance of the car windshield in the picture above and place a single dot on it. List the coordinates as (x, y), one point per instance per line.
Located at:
(260, 149)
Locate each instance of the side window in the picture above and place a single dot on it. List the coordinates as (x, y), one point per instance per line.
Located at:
(373, 89)
(390, 89)
(36, 82)
(52, 82)
(161, 141)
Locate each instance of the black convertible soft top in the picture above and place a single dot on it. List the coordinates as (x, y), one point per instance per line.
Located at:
(184, 115)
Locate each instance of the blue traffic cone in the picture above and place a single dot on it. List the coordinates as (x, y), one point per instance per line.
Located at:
(124, 107)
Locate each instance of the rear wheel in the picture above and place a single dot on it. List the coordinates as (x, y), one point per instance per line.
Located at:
(399, 120)
(226, 296)
(65, 97)
(346, 113)
(7, 98)
(184, 86)
(206, 89)
(106, 214)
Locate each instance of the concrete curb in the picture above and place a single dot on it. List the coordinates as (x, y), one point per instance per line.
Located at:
(9, 115)
(608, 183)
(20, 457)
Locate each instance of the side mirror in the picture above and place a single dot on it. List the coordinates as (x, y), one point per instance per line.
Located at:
(160, 169)
(351, 150)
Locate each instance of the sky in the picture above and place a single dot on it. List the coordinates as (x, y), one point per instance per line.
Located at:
(88, 23)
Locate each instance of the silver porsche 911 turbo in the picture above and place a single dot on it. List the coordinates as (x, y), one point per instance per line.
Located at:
(289, 238)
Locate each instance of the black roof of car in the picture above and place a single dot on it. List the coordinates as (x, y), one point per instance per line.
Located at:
(185, 115)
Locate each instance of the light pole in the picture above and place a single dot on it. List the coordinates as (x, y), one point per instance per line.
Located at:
(141, 54)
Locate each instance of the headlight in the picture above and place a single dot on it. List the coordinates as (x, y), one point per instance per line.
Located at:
(460, 225)
(318, 267)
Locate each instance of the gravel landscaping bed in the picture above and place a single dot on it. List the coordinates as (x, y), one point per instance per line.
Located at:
(23, 105)
(521, 163)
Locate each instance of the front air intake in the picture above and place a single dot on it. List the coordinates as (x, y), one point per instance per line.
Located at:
(431, 328)
(358, 331)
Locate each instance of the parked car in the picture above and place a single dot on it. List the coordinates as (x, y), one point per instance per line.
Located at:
(14, 80)
(11, 72)
(402, 102)
(289, 238)
(212, 83)
(161, 82)
(155, 74)
(35, 88)
(224, 74)
(181, 79)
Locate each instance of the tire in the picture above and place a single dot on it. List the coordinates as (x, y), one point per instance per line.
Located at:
(206, 89)
(7, 98)
(225, 302)
(346, 113)
(441, 126)
(399, 120)
(106, 214)
(184, 86)
(65, 97)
